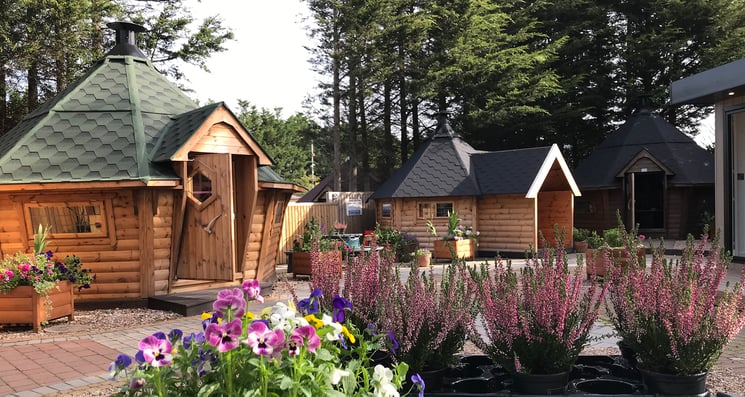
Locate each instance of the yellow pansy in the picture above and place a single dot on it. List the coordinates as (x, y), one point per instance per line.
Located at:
(348, 334)
(315, 321)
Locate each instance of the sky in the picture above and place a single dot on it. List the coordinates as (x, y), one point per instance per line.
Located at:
(266, 64)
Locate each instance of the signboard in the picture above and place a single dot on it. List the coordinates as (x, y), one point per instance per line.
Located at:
(354, 207)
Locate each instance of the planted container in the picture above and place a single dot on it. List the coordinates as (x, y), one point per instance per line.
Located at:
(23, 305)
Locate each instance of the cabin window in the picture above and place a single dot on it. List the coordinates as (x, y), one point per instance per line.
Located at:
(425, 211)
(385, 210)
(442, 210)
(67, 219)
(201, 187)
(280, 211)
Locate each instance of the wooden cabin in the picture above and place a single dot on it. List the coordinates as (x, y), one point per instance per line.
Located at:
(650, 173)
(510, 197)
(154, 193)
(724, 88)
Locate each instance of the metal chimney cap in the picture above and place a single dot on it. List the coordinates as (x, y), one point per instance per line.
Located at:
(126, 40)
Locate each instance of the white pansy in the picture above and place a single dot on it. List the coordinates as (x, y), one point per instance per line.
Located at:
(387, 390)
(328, 321)
(337, 374)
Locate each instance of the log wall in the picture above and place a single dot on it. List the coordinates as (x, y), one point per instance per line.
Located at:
(507, 223)
(556, 208)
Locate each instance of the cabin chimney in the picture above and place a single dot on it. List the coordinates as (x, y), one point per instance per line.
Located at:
(443, 129)
(126, 39)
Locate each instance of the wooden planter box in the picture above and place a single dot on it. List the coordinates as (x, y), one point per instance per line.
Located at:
(463, 249)
(301, 261)
(598, 262)
(23, 305)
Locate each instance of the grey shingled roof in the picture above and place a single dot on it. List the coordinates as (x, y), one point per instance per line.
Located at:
(101, 128)
(689, 163)
(446, 165)
(179, 130)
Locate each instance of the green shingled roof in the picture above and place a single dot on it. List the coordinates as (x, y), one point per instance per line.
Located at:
(103, 127)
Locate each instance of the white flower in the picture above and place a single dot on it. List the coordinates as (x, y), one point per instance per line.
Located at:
(387, 390)
(328, 321)
(382, 375)
(337, 374)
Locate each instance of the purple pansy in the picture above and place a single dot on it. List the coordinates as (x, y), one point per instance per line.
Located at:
(252, 288)
(417, 380)
(156, 352)
(264, 340)
(340, 306)
(230, 300)
(224, 336)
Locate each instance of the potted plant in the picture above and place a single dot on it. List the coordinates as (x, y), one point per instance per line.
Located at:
(426, 318)
(35, 288)
(580, 236)
(534, 322)
(423, 257)
(676, 316)
(308, 349)
(303, 252)
(616, 247)
(458, 242)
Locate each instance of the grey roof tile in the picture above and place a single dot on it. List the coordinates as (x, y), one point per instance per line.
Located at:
(445, 165)
(689, 163)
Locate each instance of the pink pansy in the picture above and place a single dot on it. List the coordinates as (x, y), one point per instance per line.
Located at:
(305, 335)
(262, 339)
(155, 351)
(224, 336)
(253, 290)
(230, 299)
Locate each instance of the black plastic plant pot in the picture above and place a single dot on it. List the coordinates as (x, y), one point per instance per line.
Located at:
(674, 385)
(606, 387)
(473, 386)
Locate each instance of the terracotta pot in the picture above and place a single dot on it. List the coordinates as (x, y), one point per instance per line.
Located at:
(600, 260)
(461, 249)
(23, 305)
(580, 246)
(423, 260)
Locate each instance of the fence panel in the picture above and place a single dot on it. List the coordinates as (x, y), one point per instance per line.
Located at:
(327, 214)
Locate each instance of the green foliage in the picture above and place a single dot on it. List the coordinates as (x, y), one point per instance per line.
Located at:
(613, 238)
(40, 239)
(580, 234)
(594, 240)
(287, 141)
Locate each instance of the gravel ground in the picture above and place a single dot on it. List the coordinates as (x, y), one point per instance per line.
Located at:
(103, 320)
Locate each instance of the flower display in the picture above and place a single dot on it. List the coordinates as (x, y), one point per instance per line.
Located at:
(42, 272)
(307, 349)
(674, 315)
(538, 319)
(457, 230)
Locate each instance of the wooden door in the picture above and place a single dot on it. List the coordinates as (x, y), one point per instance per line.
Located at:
(207, 251)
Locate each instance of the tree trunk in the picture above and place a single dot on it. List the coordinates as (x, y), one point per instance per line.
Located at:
(337, 108)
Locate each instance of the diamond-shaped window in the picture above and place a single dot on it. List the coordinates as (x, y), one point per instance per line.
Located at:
(201, 187)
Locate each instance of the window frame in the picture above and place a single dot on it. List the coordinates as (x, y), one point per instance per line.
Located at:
(106, 234)
(428, 209)
(383, 211)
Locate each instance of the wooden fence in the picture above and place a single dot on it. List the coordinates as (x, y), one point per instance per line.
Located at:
(327, 214)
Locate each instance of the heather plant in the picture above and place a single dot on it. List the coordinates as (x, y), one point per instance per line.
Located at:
(675, 315)
(365, 282)
(283, 351)
(326, 273)
(537, 319)
(426, 318)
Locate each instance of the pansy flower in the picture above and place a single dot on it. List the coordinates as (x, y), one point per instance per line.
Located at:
(340, 306)
(309, 305)
(252, 288)
(230, 300)
(224, 336)
(155, 351)
(417, 380)
(304, 336)
(264, 340)
(121, 362)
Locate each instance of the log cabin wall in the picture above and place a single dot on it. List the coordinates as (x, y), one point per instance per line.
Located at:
(251, 261)
(555, 208)
(407, 218)
(596, 209)
(162, 232)
(507, 223)
(114, 258)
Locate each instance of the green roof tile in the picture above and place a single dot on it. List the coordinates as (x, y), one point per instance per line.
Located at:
(100, 128)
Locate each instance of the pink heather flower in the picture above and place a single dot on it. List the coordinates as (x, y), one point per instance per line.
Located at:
(224, 336)
(262, 339)
(230, 300)
(304, 336)
(253, 290)
(24, 268)
(155, 351)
